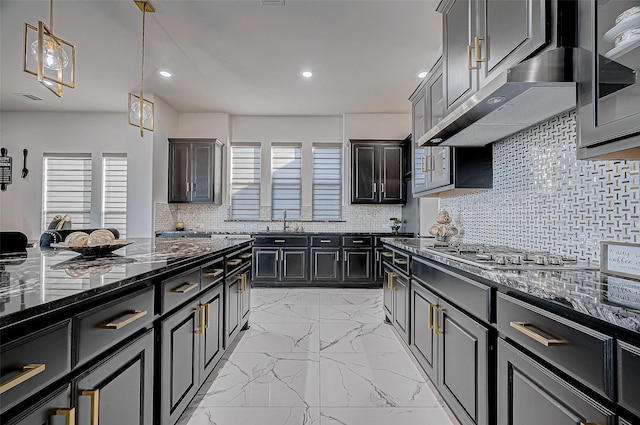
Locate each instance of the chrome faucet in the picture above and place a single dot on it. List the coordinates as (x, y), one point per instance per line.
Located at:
(285, 226)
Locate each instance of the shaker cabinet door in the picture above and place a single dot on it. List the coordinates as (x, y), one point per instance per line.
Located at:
(391, 175)
(423, 340)
(203, 172)
(179, 172)
(213, 335)
(364, 185)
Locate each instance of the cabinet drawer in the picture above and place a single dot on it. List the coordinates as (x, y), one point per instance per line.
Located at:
(32, 362)
(581, 352)
(54, 404)
(628, 372)
(355, 241)
(326, 241)
(281, 240)
(471, 296)
(211, 273)
(179, 289)
(104, 326)
(238, 259)
(401, 261)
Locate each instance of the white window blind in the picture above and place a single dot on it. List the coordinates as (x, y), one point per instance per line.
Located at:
(67, 188)
(114, 193)
(327, 182)
(286, 181)
(245, 182)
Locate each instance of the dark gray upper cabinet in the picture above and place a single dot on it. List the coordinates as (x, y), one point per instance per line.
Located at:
(377, 172)
(608, 107)
(195, 171)
(482, 38)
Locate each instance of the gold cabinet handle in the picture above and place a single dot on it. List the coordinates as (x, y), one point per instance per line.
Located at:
(436, 320)
(325, 240)
(280, 240)
(95, 404)
(522, 327)
(200, 311)
(246, 255)
(387, 254)
(69, 415)
(234, 262)
(28, 372)
(400, 262)
(244, 283)
(358, 241)
(423, 163)
(185, 287)
(207, 317)
(431, 307)
(213, 273)
(390, 277)
(477, 49)
(135, 315)
(469, 55)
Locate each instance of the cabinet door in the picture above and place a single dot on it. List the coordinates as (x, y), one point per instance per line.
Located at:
(357, 264)
(401, 306)
(512, 30)
(202, 172)
(245, 298)
(529, 394)
(55, 404)
(463, 358)
(459, 27)
(180, 360)
(439, 158)
(265, 264)
(294, 264)
(423, 341)
(325, 264)
(387, 294)
(379, 265)
(419, 112)
(392, 175)
(212, 343)
(364, 175)
(179, 172)
(628, 367)
(233, 286)
(121, 386)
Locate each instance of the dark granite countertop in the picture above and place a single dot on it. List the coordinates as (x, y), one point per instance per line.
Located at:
(47, 280)
(188, 233)
(600, 296)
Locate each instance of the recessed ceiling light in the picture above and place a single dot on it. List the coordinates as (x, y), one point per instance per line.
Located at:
(307, 74)
(165, 73)
(422, 74)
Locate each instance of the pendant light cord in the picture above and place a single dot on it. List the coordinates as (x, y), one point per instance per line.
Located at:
(51, 16)
(144, 14)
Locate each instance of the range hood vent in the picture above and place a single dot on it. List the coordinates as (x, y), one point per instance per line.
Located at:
(532, 91)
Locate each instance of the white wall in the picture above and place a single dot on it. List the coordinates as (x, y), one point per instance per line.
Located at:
(166, 125)
(95, 133)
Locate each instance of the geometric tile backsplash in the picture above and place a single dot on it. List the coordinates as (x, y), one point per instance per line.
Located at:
(543, 198)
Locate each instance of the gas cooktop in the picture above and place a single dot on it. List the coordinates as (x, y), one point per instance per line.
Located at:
(504, 257)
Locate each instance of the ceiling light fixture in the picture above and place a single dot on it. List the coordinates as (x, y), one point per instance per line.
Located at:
(307, 74)
(47, 56)
(422, 74)
(141, 110)
(165, 73)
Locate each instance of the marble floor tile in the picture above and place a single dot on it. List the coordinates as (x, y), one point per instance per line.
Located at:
(364, 313)
(280, 338)
(265, 380)
(384, 416)
(285, 313)
(350, 296)
(297, 296)
(372, 380)
(356, 337)
(256, 415)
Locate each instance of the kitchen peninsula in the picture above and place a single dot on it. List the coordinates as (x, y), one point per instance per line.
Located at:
(79, 333)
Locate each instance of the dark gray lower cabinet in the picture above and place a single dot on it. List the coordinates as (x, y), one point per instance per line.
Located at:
(237, 302)
(396, 301)
(325, 264)
(628, 373)
(423, 339)
(285, 264)
(357, 264)
(529, 394)
(213, 335)
(119, 389)
(56, 404)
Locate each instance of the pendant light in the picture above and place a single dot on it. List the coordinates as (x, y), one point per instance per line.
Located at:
(47, 56)
(141, 110)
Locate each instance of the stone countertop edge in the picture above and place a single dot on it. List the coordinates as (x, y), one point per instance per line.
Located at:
(581, 291)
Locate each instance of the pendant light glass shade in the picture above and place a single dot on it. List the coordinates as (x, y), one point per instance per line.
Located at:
(141, 110)
(49, 57)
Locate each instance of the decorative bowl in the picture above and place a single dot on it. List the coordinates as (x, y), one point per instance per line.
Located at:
(95, 250)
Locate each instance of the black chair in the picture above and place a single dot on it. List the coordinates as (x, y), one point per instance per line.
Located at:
(12, 242)
(57, 236)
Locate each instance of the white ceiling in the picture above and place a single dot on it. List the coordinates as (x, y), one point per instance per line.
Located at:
(233, 56)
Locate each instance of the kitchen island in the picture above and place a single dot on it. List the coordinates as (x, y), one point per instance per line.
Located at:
(136, 331)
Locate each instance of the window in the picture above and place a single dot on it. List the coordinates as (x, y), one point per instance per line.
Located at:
(327, 182)
(114, 193)
(245, 182)
(67, 188)
(286, 182)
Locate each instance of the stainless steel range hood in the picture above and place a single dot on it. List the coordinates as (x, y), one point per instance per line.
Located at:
(531, 92)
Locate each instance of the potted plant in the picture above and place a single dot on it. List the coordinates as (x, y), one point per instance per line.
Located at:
(395, 224)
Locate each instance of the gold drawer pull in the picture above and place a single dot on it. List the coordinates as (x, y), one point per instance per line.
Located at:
(213, 273)
(206, 313)
(522, 327)
(387, 254)
(280, 241)
(469, 55)
(95, 404)
(185, 287)
(359, 241)
(200, 311)
(69, 415)
(401, 262)
(234, 262)
(390, 277)
(436, 324)
(135, 315)
(28, 372)
(431, 307)
(477, 49)
(325, 240)
(246, 255)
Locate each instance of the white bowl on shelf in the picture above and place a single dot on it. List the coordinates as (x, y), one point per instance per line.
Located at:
(630, 41)
(632, 21)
